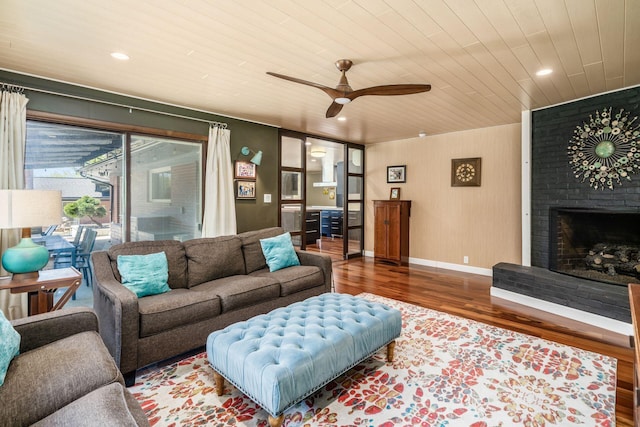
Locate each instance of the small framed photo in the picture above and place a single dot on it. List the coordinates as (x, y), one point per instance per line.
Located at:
(245, 189)
(466, 172)
(397, 173)
(246, 170)
(394, 194)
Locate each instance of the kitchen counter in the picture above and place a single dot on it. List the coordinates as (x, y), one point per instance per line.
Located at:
(325, 208)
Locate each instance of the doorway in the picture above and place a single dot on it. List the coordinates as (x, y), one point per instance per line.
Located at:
(321, 194)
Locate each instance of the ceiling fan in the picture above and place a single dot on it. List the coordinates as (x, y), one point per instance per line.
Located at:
(343, 94)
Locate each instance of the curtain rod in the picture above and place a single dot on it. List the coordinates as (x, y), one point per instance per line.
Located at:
(6, 87)
(17, 88)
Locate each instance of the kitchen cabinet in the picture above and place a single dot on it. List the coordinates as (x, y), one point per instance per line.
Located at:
(325, 223)
(331, 222)
(391, 231)
(312, 232)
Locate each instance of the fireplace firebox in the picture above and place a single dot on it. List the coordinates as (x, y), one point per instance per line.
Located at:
(595, 244)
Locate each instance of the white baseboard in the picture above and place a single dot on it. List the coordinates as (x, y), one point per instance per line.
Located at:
(445, 265)
(571, 313)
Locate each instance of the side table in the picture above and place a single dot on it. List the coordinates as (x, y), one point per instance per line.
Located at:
(41, 286)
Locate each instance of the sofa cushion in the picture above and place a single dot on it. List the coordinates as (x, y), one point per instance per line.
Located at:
(241, 291)
(144, 274)
(179, 307)
(279, 252)
(106, 405)
(294, 279)
(9, 345)
(211, 258)
(43, 380)
(176, 259)
(252, 250)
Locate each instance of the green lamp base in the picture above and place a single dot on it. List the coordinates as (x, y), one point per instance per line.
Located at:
(25, 257)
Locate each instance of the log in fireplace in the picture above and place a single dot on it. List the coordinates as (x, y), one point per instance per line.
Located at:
(596, 244)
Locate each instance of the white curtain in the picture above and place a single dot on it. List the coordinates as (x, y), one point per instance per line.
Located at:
(219, 202)
(13, 131)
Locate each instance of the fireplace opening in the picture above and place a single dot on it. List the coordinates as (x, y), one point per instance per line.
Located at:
(595, 244)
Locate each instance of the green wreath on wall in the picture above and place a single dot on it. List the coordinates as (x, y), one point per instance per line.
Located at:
(604, 150)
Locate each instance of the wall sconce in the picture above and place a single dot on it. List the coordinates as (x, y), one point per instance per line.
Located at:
(257, 157)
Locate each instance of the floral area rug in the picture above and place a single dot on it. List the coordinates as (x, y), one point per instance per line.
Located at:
(448, 371)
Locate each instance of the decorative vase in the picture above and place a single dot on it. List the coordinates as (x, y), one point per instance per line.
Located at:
(25, 257)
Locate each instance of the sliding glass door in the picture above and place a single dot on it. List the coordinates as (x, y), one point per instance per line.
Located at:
(79, 162)
(150, 187)
(165, 191)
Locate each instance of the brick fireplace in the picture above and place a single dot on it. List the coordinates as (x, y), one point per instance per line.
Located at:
(595, 244)
(572, 221)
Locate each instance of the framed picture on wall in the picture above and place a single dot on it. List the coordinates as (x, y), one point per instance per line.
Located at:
(245, 189)
(397, 173)
(394, 194)
(246, 170)
(466, 172)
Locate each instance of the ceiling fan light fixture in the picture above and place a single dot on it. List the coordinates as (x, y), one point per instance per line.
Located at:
(343, 93)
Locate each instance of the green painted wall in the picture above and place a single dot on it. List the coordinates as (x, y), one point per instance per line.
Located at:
(251, 214)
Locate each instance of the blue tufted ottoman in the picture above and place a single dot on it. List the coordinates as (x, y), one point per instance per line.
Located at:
(279, 358)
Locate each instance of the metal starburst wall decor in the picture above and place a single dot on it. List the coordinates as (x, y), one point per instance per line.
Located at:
(604, 150)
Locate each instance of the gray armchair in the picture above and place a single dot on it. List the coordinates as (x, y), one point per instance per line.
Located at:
(64, 375)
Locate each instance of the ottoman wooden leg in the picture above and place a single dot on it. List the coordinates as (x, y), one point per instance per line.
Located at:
(276, 422)
(390, 348)
(219, 379)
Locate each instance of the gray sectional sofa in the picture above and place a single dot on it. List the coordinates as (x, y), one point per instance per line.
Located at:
(65, 376)
(214, 282)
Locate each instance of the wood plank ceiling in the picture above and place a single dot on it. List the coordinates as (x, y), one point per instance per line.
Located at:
(480, 56)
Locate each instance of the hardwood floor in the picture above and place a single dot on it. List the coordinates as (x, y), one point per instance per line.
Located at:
(468, 295)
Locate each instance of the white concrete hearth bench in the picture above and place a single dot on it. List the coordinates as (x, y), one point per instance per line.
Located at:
(279, 358)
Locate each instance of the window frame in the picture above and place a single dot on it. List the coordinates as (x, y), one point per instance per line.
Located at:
(127, 130)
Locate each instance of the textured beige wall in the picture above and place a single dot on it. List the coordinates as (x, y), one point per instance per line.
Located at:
(447, 223)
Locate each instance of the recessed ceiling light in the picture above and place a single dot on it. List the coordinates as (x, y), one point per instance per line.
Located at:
(119, 55)
(422, 134)
(342, 119)
(544, 72)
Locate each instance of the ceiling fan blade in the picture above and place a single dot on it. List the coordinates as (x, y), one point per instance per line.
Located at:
(343, 93)
(334, 109)
(328, 90)
(387, 90)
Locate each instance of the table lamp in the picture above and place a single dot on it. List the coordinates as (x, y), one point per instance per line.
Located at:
(25, 209)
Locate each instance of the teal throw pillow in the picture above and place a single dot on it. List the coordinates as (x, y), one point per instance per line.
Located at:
(144, 274)
(279, 252)
(9, 345)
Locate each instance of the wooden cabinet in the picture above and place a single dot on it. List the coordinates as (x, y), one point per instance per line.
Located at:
(391, 230)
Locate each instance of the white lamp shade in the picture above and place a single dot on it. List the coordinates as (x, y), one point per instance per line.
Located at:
(30, 208)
